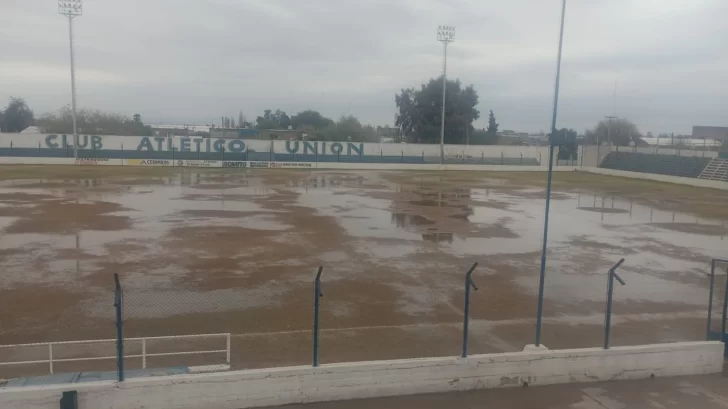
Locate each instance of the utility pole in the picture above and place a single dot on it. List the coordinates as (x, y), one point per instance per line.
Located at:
(445, 35)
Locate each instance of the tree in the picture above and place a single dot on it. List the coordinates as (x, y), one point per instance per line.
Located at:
(618, 132)
(273, 120)
(310, 118)
(492, 126)
(566, 140)
(483, 137)
(348, 128)
(419, 113)
(93, 122)
(17, 116)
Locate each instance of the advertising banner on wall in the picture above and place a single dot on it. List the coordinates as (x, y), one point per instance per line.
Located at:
(148, 162)
(97, 161)
(234, 164)
(292, 165)
(198, 163)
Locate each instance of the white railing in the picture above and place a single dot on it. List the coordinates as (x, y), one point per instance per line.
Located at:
(127, 341)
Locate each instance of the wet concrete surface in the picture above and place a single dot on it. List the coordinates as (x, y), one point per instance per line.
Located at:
(214, 252)
(704, 392)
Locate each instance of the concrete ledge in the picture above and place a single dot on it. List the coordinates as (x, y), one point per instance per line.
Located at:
(279, 386)
(713, 184)
(276, 165)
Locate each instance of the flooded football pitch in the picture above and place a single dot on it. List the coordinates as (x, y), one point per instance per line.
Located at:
(213, 251)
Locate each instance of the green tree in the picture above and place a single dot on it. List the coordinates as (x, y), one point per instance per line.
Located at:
(310, 118)
(566, 140)
(93, 122)
(492, 126)
(273, 120)
(618, 132)
(483, 137)
(347, 128)
(17, 116)
(419, 113)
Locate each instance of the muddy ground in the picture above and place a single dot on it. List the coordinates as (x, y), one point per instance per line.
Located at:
(217, 251)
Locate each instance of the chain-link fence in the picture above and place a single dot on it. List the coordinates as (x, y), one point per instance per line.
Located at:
(327, 316)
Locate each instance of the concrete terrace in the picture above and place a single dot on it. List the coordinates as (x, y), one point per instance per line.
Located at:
(688, 392)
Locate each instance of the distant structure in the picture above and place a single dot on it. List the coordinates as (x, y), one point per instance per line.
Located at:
(234, 133)
(262, 134)
(716, 133)
(711, 132)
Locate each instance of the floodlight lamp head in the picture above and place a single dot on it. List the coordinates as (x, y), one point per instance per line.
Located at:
(446, 34)
(70, 8)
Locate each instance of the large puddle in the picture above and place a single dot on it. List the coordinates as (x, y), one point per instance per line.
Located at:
(394, 249)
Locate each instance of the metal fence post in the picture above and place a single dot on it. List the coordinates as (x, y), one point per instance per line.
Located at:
(317, 294)
(468, 283)
(118, 305)
(610, 290)
(725, 312)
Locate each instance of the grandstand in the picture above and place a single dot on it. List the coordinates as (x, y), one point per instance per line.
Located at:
(684, 166)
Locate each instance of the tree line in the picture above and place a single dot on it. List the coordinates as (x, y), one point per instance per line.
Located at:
(17, 116)
(313, 123)
(418, 118)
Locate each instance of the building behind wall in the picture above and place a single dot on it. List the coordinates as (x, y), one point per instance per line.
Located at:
(716, 133)
(262, 134)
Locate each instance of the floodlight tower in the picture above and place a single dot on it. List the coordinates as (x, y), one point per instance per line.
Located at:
(71, 9)
(445, 35)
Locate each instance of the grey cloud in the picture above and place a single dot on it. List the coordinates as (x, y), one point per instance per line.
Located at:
(195, 60)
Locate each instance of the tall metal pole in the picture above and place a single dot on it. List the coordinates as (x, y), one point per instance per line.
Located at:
(542, 275)
(445, 35)
(444, 91)
(73, 87)
(71, 9)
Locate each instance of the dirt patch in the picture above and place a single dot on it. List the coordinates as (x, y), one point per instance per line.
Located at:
(223, 214)
(603, 210)
(63, 216)
(694, 228)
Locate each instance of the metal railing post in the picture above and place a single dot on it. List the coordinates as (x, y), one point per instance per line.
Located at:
(710, 299)
(610, 290)
(316, 305)
(725, 311)
(50, 357)
(118, 304)
(144, 353)
(468, 283)
(227, 355)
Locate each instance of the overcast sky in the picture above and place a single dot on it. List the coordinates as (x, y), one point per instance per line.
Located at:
(191, 61)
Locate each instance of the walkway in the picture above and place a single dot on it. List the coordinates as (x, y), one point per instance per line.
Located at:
(703, 392)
